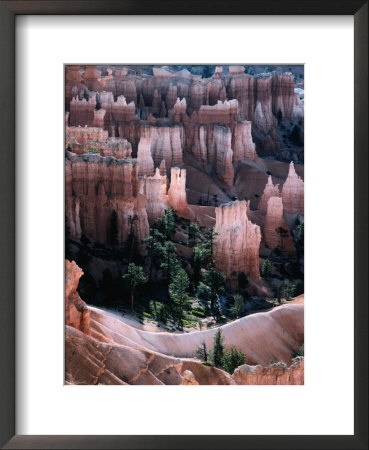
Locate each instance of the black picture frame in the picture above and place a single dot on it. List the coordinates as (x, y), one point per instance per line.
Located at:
(8, 12)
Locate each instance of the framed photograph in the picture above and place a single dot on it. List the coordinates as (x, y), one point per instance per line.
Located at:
(160, 284)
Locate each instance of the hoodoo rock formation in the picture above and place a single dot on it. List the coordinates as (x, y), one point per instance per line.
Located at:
(144, 158)
(166, 143)
(293, 192)
(276, 232)
(152, 188)
(270, 190)
(177, 192)
(97, 186)
(237, 242)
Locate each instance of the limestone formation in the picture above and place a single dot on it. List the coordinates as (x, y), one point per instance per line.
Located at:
(177, 192)
(276, 232)
(270, 190)
(237, 242)
(293, 192)
(144, 158)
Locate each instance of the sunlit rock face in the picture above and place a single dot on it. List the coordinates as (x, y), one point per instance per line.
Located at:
(293, 192)
(270, 190)
(97, 186)
(278, 373)
(77, 314)
(242, 143)
(237, 242)
(87, 139)
(276, 232)
(152, 188)
(177, 192)
(144, 158)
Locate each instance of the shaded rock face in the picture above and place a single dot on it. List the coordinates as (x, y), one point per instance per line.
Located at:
(177, 192)
(275, 374)
(237, 242)
(144, 158)
(293, 192)
(77, 314)
(97, 186)
(83, 139)
(270, 190)
(276, 232)
(152, 188)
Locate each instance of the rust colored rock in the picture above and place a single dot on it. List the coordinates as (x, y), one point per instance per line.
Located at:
(144, 158)
(237, 242)
(270, 190)
(276, 232)
(293, 192)
(276, 374)
(177, 192)
(77, 314)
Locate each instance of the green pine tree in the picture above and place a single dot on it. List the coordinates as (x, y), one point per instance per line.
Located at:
(217, 352)
(178, 291)
(232, 359)
(134, 277)
(266, 269)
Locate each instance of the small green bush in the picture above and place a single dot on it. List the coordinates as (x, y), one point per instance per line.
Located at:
(93, 151)
(232, 359)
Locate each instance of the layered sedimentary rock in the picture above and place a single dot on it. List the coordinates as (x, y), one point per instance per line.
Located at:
(144, 158)
(77, 314)
(276, 232)
(152, 188)
(293, 192)
(270, 190)
(237, 242)
(92, 139)
(177, 192)
(95, 188)
(275, 374)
